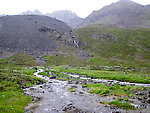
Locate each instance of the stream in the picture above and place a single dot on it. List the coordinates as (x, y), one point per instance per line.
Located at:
(53, 97)
(107, 81)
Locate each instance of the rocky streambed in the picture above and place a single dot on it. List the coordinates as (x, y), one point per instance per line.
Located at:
(83, 77)
(54, 97)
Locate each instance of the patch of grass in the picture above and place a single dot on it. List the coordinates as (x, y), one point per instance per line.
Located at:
(72, 90)
(116, 90)
(60, 76)
(63, 59)
(123, 99)
(29, 71)
(11, 94)
(122, 105)
(18, 59)
(13, 78)
(13, 101)
(63, 79)
(134, 77)
(43, 73)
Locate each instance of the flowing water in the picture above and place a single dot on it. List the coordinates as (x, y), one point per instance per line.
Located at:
(54, 97)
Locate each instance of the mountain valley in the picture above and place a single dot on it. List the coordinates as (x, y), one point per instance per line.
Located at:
(61, 63)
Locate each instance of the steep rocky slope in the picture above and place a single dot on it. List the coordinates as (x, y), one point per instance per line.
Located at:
(124, 14)
(29, 32)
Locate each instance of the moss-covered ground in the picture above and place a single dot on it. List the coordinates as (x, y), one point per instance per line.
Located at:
(13, 78)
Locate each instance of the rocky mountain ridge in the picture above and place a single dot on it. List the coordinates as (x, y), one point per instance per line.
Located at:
(36, 12)
(67, 16)
(123, 14)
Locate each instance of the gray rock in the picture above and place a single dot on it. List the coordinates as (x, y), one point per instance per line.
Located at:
(52, 77)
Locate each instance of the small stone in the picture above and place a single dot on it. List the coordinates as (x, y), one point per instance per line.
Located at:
(123, 84)
(112, 107)
(65, 68)
(139, 98)
(81, 92)
(32, 88)
(69, 82)
(144, 97)
(57, 74)
(114, 98)
(116, 112)
(41, 86)
(74, 86)
(52, 77)
(143, 101)
(106, 106)
(76, 82)
(104, 95)
(35, 68)
(32, 99)
(83, 86)
(148, 101)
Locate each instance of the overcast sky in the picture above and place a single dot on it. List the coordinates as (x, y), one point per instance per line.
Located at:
(81, 7)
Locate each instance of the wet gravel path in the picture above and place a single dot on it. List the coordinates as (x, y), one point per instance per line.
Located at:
(55, 98)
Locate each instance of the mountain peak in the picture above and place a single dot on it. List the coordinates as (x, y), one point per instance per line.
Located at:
(66, 16)
(124, 14)
(35, 12)
(127, 2)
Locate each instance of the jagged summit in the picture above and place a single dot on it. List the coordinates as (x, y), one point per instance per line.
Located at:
(35, 12)
(66, 16)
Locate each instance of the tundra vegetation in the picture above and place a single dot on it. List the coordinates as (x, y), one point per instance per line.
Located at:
(122, 56)
(13, 78)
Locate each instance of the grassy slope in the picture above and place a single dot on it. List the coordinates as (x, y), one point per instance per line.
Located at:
(63, 59)
(129, 47)
(13, 77)
(66, 55)
(18, 59)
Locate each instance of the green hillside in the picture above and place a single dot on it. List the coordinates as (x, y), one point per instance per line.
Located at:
(115, 45)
